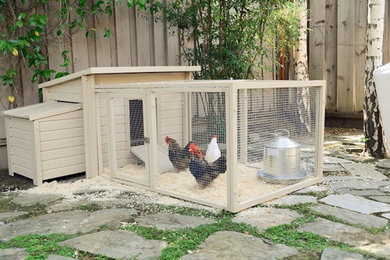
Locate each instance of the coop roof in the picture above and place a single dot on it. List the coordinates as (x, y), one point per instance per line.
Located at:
(42, 110)
(120, 70)
(217, 84)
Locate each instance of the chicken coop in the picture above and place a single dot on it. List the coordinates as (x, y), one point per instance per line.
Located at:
(227, 144)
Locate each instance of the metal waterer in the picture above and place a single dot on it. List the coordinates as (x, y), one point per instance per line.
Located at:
(282, 158)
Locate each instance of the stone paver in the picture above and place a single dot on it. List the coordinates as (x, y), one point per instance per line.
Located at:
(357, 184)
(293, 200)
(67, 205)
(314, 189)
(351, 216)
(384, 199)
(59, 257)
(331, 167)
(13, 254)
(262, 218)
(362, 192)
(70, 222)
(10, 216)
(172, 221)
(386, 189)
(28, 199)
(356, 203)
(381, 249)
(334, 160)
(336, 254)
(341, 232)
(364, 170)
(387, 215)
(89, 191)
(384, 163)
(237, 246)
(117, 244)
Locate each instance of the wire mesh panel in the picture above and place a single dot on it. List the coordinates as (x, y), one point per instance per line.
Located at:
(195, 141)
(122, 139)
(276, 139)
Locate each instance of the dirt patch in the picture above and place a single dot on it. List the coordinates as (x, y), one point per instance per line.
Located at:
(13, 183)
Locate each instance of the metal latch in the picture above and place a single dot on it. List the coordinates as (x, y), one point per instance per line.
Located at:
(147, 140)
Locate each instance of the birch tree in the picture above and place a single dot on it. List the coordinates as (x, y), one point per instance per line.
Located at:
(373, 130)
(301, 68)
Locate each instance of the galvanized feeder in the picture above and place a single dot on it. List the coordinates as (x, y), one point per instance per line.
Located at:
(282, 158)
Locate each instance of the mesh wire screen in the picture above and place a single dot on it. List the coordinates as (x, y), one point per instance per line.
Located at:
(197, 171)
(128, 126)
(276, 139)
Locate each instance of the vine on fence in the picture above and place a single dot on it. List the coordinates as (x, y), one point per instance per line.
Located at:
(228, 39)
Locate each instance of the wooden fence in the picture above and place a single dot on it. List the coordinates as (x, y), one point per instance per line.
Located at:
(337, 48)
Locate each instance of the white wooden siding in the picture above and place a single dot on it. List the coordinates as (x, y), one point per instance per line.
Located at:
(68, 91)
(21, 146)
(120, 130)
(170, 118)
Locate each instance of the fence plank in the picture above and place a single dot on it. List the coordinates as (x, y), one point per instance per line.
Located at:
(346, 67)
(317, 39)
(143, 39)
(103, 44)
(360, 51)
(122, 34)
(331, 54)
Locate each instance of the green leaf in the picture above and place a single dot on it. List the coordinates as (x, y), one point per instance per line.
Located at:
(2, 18)
(107, 33)
(21, 16)
(59, 32)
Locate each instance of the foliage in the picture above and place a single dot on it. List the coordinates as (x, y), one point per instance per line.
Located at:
(25, 30)
(227, 38)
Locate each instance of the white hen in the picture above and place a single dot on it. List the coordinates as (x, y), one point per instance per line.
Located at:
(213, 152)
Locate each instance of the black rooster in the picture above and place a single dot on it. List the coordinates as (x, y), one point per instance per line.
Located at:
(205, 172)
(179, 157)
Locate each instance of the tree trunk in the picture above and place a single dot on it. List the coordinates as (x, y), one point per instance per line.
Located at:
(373, 130)
(302, 70)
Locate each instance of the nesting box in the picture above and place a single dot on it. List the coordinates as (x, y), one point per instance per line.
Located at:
(45, 141)
(136, 120)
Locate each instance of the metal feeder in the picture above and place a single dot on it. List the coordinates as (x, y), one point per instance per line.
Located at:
(282, 158)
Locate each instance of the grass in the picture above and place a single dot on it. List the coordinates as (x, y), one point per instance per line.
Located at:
(180, 242)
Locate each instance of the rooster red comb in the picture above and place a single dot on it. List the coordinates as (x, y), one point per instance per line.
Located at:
(166, 139)
(215, 136)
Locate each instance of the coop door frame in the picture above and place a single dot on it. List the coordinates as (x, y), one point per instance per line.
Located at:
(140, 95)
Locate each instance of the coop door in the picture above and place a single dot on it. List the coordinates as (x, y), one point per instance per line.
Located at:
(129, 146)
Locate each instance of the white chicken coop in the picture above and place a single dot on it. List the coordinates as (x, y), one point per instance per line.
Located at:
(269, 138)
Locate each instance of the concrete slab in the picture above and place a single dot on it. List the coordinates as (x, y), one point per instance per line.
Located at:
(13, 254)
(118, 245)
(29, 199)
(341, 232)
(10, 216)
(69, 222)
(351, 216)
(356, 203)
(233, 245)
(334, 160)
(172, 221)
(67, 205)
(262, 218)
(364, 170)
(336, 254)
(293, 200)
(386, 189)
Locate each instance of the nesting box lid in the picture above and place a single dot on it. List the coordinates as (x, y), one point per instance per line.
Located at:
(42, 110)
